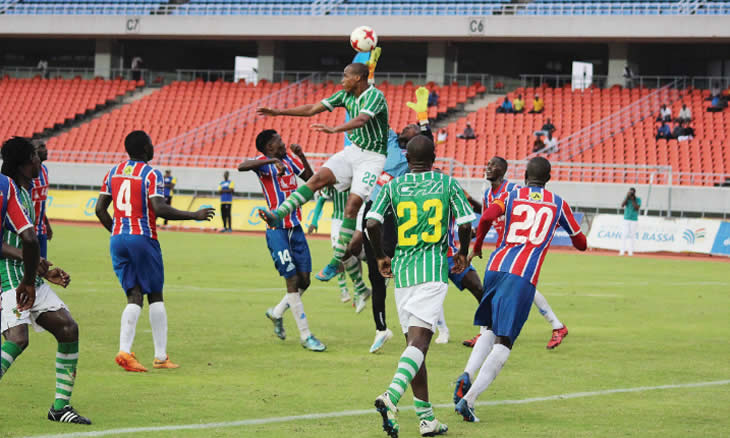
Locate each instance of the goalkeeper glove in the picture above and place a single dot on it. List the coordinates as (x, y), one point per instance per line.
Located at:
(372, 62)
(421, 105)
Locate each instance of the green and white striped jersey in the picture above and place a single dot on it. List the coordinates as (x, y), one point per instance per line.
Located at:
(339, 199)
(424, 204)
(11, 270)
(373, 136)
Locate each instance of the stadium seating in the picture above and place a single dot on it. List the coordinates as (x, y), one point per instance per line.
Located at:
(512, 135)
(183, 106)
(29, 106)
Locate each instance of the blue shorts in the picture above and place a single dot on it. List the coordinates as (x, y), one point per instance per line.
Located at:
(458, 278)
(506, 303)
(137, 261)
(43, 243)
(289, 250)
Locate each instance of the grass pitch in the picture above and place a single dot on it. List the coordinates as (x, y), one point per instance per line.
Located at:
(634, 322)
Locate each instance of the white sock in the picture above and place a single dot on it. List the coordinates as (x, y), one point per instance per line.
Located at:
(441, 323)
(158, 321)
(546, 311)
(297, 309)
(494, 363)
(280, 308)
(479, 353)
(130, 315)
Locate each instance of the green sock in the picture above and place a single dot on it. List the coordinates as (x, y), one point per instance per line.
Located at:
(342, 282)
(8, 353)
(408, 365)
(346, 231)
(424, 410)
(66, 359)
(354, 270)
(294, 201)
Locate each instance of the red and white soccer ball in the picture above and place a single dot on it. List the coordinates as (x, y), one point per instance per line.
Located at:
(363, 39)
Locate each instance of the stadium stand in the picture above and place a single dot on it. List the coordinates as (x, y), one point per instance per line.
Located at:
(30, 106)
(183, 106)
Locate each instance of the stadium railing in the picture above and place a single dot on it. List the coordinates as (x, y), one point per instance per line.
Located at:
(72, 72)
(615, 123)
(645, 81)
(373, 8)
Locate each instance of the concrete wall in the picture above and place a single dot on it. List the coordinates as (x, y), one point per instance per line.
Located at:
(455, 28)
(586, 195)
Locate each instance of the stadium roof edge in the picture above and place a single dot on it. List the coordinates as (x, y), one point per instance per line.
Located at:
(454, 28)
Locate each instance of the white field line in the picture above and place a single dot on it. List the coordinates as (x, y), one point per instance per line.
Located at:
(353, 413)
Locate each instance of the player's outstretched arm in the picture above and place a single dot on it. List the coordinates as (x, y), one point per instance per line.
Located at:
(255, 164)
(165, 211)
(300, 111)
(354, 123)
(102, 212)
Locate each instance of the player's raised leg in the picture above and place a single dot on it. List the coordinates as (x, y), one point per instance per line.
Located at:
(560, 330)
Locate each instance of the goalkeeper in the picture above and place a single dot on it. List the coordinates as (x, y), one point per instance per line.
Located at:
(395, 165)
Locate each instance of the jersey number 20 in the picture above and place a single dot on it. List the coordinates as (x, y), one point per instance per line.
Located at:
(434, 220)
(526, 218)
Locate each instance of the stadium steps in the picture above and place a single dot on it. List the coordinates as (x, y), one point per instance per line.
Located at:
(109, 106)
(469, 107)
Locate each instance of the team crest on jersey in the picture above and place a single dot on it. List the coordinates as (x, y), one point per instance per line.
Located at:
(412, 188)
(128, 170)
(536, 196)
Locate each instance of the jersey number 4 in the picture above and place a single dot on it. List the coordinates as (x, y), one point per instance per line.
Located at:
(435, 207)
(124, 194)
(529, 224)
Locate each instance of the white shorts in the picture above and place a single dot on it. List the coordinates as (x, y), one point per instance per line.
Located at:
(45, 301)
(335, 231)
(356, 169)
(424, 301)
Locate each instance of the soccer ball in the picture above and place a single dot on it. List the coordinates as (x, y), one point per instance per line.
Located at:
(363, 39)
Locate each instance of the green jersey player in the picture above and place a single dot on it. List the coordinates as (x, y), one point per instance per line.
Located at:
(424, 202)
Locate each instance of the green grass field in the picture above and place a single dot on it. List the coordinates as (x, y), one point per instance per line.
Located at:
(633, 323)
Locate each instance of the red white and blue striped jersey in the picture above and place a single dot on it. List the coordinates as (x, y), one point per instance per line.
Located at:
(278, 186)
(12, 214)
(489, 197)
(531, 216)
(131, 184)
(39, 194)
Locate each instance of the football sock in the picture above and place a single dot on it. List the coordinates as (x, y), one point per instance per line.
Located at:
(408, 365)
(129, 326)
(342, 282)
(480, 352)
(546, 311)
(424, 409)
(354, 270)
(494, 363)
(297, 308)
(346, 231)
(8, 353)
(280, 308)
(294, 201)
(158, 321)
(441, 323)
(67, 357)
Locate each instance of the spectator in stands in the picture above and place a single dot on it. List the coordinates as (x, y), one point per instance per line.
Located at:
(136, 67)
(628, 76)
(678, 131)
(664, 132)
(506, 107)
(538, 105)
(441, 137)
(665, 114)
(433, 98)
(547, 127)
(631, 207)
(715, 90)
(538, 145)
(43, 68)
(468, 133)
(551, 144)
(683, 132)
(685, 114)
(717, 105)
(518, 104)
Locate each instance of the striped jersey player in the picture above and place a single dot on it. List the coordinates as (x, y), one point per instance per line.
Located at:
(531, 216)
(277, 172)
(424, 202)
(136, 191)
